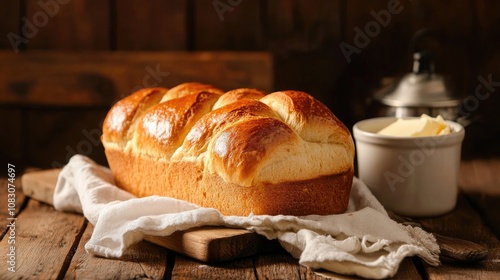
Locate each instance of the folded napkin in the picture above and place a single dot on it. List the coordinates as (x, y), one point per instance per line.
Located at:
(364, 241)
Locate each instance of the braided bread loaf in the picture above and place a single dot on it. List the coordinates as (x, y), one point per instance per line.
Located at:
(240, 152)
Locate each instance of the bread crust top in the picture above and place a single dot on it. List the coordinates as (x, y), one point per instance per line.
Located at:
(245, 136)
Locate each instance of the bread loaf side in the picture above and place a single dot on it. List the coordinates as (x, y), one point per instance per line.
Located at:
(242, 152)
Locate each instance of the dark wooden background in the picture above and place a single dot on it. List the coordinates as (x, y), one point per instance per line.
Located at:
(41, 127)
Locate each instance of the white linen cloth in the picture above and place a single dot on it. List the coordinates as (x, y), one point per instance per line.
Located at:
(364, 241)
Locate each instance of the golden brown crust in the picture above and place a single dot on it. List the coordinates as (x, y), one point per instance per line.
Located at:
(189, 88)
(163, 128)
(241, 148)
(217, 120)
(312, 120)
(321, 196)
(241, 152)
(123, 114)
(238, 94)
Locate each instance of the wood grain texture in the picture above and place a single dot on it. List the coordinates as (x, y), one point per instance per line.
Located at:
(41, 250)
(57, 135)
(283, 266)
(151, 25)
(214, 244)
(480, 180)
(483, 100)
(489, 207)
(91, 82)
(438, 16)
(488, 21)
(302, 25)
(141, 261)
(480, 176)
(382, 51)
(100, 78)
(465, 223)
(187, 268)
(69, 25)
(11, 146)
(40, 228)
(208, 244)
(40, 184)
(20, 200)
(10, 19)
(227, 25)
(304, 37)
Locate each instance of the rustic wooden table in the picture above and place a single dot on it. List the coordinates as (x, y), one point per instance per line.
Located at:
(50, 244)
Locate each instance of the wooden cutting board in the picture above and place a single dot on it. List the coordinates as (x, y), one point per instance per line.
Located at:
(207, 244)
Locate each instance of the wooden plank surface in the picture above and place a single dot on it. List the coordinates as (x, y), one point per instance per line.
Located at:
(12, 144)
(187, 268)
(465, 223)
(40, 185)
(21, 199)
(141, 261)
(69, 25)
(489, 207)
(276, 265)
(151, 25)
(56, 135)
(304, 37)
(100, 78)
(153, 262)
(480, 180)
(304, 25)
(44, 237)
(480, 176)
(208, 244)
(10, 17)
(227, 25)
(214, 244)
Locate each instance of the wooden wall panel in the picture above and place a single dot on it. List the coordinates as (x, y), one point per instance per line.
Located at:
(99, 78)
(488, 19)
(11, 124)
(388, 52)
(302, 25)
(151, 25)
(304, 37)
(66, 92)
(462, 56)
(454, 41)
(380, 34)
(56, 135)
(486, 62)
(227, 25)
(70, 25)
(10, 18)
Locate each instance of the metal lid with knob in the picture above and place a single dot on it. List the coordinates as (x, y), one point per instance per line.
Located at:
(421, 88)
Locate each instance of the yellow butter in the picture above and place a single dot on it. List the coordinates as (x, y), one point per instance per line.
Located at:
(424, 126)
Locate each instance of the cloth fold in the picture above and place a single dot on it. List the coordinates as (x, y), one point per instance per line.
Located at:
(363, 241)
